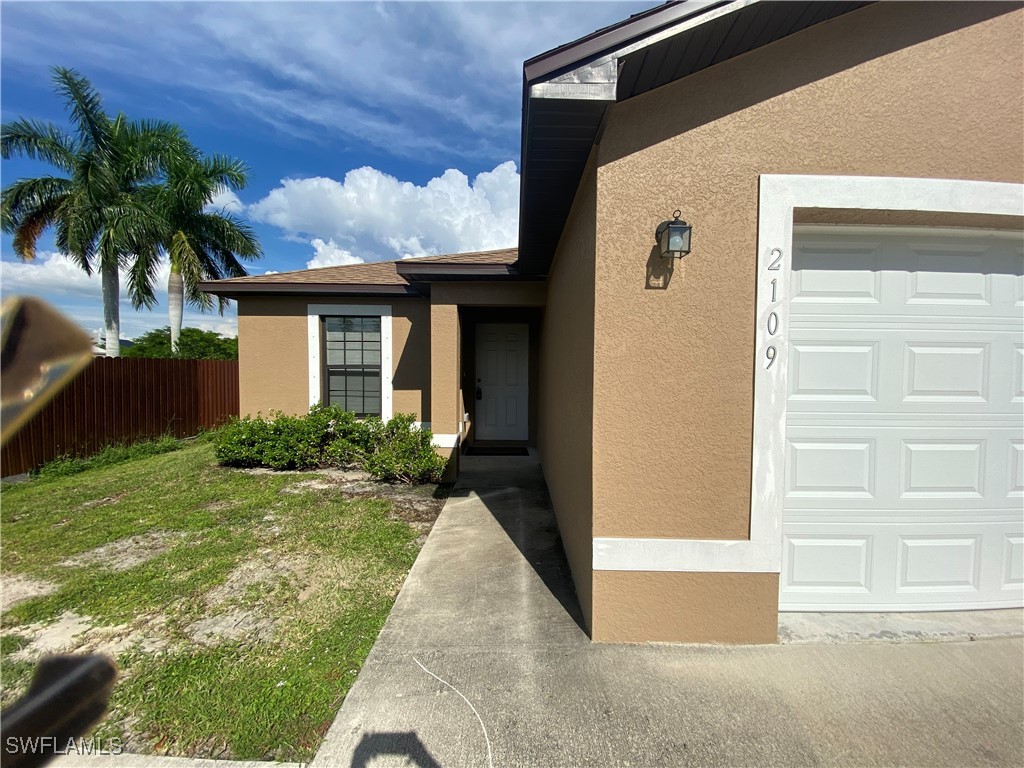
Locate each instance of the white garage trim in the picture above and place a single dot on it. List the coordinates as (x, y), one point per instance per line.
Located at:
(313, 314)
(779, 196)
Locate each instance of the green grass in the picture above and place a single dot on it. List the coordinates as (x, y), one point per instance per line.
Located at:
(110, 455)
(243, 699)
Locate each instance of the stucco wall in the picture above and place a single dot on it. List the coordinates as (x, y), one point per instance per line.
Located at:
(566, 387)
(916, 90)
(892, 89)
(273, 354)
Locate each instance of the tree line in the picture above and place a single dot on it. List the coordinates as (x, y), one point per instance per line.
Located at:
(128, 193)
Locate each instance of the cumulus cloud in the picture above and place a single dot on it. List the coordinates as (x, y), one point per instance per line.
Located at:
(330, 254)
(371, 215)
(57, 279)
(226, 200)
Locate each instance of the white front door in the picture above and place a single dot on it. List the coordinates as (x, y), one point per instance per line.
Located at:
(904, 460)
(502, 376)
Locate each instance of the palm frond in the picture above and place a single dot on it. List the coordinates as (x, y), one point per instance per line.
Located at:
(86, 107)
(24, 196)
(37, 140)
(142, 274)
(32, 225)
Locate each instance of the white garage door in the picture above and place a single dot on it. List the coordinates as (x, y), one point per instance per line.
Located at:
(904, 450)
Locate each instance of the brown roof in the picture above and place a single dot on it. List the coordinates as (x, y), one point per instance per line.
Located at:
(379, 273)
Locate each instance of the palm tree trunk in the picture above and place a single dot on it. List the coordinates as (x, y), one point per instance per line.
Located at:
(175, 301)
(111, 284)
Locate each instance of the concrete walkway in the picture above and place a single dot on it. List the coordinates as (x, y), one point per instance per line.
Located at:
(483, 662)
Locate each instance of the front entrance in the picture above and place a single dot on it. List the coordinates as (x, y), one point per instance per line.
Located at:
(502, 381)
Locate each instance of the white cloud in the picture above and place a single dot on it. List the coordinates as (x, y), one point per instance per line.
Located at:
(49, 273)
(329, 254)
(226, 200)
(376, 73)
(372, 215)
(57, 279)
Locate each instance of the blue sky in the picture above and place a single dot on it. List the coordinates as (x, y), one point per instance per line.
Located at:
(372, 130)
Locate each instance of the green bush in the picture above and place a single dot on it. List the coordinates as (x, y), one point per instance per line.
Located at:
(331, 437)
(401, 451)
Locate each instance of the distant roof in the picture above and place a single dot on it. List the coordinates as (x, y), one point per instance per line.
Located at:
(567, 90)
(395, 278)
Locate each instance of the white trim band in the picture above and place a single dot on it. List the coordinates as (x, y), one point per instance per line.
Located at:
(313, 314)
(446, 441)
(685, 555)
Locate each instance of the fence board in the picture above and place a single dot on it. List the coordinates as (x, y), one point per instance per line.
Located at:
(123, 400)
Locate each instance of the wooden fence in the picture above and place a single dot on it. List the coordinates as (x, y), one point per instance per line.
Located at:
(123, 400)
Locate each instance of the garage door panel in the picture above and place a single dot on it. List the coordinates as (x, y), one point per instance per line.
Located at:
(946, 372)
(894, 566)
(924, 371)
(945, 468)
(912, 465)
(904, 452)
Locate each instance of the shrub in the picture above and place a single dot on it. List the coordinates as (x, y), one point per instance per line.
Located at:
(401, 451)
(330, 437)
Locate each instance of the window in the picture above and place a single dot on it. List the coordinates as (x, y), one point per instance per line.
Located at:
(352, 364)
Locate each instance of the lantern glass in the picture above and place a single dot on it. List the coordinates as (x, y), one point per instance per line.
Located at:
(679, 237)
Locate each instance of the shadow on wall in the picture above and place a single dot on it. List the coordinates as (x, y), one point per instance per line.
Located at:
(404, 743)
(659, 270)
(412, 373)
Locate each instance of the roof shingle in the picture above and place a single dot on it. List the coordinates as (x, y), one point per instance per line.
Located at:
(375, 273)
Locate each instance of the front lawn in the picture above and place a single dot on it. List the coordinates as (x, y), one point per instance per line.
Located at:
(239, 604)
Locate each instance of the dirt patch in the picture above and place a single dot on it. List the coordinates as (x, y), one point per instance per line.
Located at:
(74, 633)
(265, 574)
(308, 485)
(17, 589)
(101, 502)
(126, 553)
(418, 505)
(233, 625)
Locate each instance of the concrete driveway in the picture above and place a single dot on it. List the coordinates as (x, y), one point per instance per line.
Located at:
(483, 662)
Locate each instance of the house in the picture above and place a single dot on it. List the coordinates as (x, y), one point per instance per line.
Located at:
(818, 407)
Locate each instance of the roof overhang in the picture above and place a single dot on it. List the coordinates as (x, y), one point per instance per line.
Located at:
(235, 290)
(567, 91)
(433, 271)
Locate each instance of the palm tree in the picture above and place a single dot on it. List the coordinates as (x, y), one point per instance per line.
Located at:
(201, 244)
(99, 217)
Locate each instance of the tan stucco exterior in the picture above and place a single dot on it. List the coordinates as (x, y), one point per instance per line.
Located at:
(273, 353)
(640, 606)
(917, 90)
(566, 387)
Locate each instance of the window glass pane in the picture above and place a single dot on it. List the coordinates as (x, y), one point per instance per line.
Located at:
(334, 353)
(352, 361)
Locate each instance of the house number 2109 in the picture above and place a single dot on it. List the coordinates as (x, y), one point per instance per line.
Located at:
(773, 317)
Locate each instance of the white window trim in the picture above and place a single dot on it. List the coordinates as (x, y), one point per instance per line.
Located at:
(313, 314)
(779, 196)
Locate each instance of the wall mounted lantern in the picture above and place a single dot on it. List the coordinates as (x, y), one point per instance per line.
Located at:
(673, 237)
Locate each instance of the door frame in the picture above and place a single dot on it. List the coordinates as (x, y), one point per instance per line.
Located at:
(779, 196)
